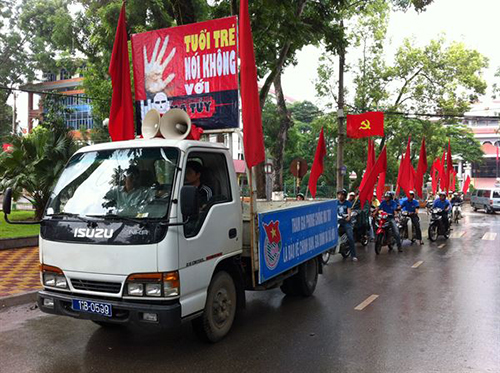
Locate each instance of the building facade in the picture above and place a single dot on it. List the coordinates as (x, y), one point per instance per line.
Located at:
(484, 122)
(70, 89)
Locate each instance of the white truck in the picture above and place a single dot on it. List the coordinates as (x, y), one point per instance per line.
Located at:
(125, 239)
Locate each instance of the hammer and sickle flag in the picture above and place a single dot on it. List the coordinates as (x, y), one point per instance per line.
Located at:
(365, 125)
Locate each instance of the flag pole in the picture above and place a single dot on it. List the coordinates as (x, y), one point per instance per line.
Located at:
(252, 224)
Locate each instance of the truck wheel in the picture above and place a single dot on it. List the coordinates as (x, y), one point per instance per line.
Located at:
(220, 309)
(289, 286)
(307, 278)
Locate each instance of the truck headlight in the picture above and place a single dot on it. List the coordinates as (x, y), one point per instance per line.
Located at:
(153, 290)
(153, 284)
(53, 276)
(135, 288)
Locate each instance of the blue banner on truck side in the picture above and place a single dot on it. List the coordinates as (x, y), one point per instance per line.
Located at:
(291, 236)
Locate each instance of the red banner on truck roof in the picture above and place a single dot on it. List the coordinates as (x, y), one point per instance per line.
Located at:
(192, 67)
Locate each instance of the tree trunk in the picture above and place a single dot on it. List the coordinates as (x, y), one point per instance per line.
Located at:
(279, 146)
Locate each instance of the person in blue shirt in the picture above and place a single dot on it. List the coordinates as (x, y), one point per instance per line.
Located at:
(344, 208)
(411, 205)
(444, 205)
(390, 206)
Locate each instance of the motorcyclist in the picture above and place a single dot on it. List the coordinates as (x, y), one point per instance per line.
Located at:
(344, 207)
(390, 206)
(456, 199)
(411, 206)
(444, 205)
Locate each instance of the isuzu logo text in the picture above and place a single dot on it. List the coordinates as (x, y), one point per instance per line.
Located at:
(93, 233)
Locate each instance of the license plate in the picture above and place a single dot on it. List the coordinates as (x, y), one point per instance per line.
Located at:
(98, 308)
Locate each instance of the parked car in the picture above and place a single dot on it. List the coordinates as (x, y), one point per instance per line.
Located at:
(486, 199)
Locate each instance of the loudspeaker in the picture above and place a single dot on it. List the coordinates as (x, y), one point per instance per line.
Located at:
(175, 124)
(151, 124)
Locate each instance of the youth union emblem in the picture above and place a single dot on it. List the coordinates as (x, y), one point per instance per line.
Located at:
(272, 244)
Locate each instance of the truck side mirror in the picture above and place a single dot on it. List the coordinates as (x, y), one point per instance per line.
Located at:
(7, 201)
(189, 201)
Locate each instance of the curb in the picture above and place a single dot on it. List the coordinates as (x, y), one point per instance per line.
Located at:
(18, 242)
(18, 299)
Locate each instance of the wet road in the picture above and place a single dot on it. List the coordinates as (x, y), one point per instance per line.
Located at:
(441, 316)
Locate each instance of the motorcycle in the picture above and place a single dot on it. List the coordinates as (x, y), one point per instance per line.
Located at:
(404, 232)
(383, 236)
(343, 242)
(437, 226)
(456, 211)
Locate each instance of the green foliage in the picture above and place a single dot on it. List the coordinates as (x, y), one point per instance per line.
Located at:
(37, 159)
(11, 231)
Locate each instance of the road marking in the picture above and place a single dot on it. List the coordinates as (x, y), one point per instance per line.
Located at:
(490, 236)
(417, 264)
(457, 234)
(441, 246)
(366, 302)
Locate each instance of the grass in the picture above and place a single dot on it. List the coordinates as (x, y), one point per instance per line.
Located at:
(10, 230)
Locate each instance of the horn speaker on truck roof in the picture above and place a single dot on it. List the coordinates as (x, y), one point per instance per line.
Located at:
(174, 124)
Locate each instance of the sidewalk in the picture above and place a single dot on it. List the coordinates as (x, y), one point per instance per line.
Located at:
(19, 271)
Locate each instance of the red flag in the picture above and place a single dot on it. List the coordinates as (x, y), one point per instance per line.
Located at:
(407, 171)
(449, 168)
(434, 175)
(253, 138)
(121, 116)
(453, 180)
(365, 125)
(379, 167)
(466, 185)
(421, 169)
(369, 163)
(497, 154)
(381, 186)
(400, 171)
(317, 167)
(442, 172)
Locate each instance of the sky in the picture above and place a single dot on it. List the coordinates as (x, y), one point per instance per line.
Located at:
(475, 23)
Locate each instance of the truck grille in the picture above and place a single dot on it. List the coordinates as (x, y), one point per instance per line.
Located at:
(102, 287)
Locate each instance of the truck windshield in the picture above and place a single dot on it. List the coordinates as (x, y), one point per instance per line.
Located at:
(120, 183)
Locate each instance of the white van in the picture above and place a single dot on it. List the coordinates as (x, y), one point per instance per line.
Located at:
(486, 199)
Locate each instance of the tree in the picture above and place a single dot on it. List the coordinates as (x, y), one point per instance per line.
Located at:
(36, 160)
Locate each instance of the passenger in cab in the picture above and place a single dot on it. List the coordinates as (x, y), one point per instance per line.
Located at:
(193, 176)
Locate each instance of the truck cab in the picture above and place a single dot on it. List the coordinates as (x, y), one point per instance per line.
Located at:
(115, 246)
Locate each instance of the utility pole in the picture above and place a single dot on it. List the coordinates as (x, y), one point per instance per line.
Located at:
(340, 114)
(14, 112)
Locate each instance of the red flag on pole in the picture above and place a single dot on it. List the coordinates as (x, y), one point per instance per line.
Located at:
(449, 168)
(453, 180)
(365, 125)
(466, 185)
(369, 163)
(121, 116)
(253, 139)
(442, 172)
(381, 186)
(407, 171)
(434, 174)
(400, 171)
(317, 167)
(421, 169)
(497, 154)
(379, 167)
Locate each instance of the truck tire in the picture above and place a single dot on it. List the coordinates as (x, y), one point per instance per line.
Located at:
(307, 278)
(289, 286)
(220, 309)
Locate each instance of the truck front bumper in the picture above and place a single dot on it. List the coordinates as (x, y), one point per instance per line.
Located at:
(168, 314)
